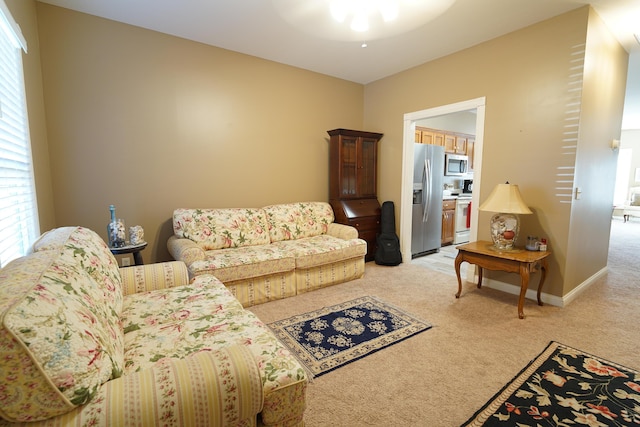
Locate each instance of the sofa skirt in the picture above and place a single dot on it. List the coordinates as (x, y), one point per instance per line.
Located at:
(258, 290)
(309, 279)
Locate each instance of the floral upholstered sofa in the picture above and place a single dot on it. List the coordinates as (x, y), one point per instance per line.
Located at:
(83, 342)
(274, 252)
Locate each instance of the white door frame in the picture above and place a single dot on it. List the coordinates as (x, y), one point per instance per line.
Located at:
(406, 198)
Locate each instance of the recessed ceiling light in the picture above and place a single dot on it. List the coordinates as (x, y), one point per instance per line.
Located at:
(364, 44)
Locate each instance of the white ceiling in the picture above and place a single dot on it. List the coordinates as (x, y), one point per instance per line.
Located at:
(261, 28)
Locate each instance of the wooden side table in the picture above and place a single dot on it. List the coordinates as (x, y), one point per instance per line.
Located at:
(482, 254)
(131, 249)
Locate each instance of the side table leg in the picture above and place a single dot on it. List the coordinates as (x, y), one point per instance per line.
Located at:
(457, 264)
(137, 258)
(543, 276)
(524, 284)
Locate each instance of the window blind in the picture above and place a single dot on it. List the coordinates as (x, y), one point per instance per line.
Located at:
(18, 209)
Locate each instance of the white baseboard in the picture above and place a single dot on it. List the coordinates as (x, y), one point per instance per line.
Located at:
(532, 294)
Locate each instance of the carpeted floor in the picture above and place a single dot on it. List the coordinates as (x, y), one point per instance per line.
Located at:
(477, 343)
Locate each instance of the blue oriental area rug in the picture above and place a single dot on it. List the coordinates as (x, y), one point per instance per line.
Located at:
(326, 339)
(565, 387)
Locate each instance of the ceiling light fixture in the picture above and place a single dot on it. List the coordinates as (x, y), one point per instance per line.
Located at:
(360, 10)
(355, 20)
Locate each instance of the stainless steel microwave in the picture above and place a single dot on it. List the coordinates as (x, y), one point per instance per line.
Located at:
(455, 164)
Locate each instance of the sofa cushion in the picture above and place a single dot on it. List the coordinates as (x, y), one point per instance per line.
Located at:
(222, 228)
(59, 313)
(320, 250)
(83, 246)
(297, 220)
(203, 316)
(244, 263)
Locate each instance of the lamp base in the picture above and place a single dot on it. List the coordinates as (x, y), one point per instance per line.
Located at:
(504, 231)
(513, 250)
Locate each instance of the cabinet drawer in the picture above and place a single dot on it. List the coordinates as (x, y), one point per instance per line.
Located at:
(448, 204)
(365, 223)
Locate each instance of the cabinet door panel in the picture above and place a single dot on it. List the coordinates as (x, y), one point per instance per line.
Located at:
(471, 142)
(366, 171)
(449, 144)
(461, 145)
(349, 167)
(438, 139)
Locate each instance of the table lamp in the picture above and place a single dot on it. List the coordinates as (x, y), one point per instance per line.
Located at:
(504, 225)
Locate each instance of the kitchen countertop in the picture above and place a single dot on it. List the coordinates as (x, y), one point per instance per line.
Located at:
(456, 196)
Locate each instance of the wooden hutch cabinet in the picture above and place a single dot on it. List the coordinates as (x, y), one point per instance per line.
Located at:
(353, 163)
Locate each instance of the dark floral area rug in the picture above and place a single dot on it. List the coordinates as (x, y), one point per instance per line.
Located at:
(565, 387)
(326, 339)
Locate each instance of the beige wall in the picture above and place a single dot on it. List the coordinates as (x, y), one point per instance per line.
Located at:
(532, 91)
(603, 89)
(150, 122)
(24, 13)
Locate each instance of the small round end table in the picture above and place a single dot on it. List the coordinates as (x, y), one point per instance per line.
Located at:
(131, 249)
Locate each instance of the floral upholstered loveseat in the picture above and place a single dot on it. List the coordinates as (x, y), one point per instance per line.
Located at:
(83, 342)
(263, 254)
(632, 204)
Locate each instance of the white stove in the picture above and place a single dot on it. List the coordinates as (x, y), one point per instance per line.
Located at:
(462, 219)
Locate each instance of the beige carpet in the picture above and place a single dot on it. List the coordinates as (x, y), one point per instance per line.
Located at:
(477, 343)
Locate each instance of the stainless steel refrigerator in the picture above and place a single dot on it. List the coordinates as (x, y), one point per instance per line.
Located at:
(428, 176)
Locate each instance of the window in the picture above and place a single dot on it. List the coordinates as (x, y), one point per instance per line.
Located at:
(18, 210)
(621, 191)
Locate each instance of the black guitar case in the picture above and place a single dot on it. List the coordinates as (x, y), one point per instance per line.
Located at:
(388, 250)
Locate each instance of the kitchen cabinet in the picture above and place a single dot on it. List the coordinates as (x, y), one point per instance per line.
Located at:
(438, 139)
(471, 142)
(453, 142)
(448, 221)
(429, 136)
(461, 145)
(449, 143)
(353, 163)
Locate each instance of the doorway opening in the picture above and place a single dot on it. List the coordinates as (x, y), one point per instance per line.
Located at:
(406, 200)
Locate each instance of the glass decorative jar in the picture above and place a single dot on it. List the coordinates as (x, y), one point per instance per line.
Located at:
(116, 230)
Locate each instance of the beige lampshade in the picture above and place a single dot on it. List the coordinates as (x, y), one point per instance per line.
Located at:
(505, 198)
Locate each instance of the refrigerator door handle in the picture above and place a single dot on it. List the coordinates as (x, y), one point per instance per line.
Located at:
(427, 188)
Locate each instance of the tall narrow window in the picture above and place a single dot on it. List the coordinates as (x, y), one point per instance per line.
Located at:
(18, 210)
(621, 191)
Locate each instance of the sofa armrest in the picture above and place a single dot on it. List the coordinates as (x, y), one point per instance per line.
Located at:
(342, 231)
(214, 388)
(162, 275)
(185, 250)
